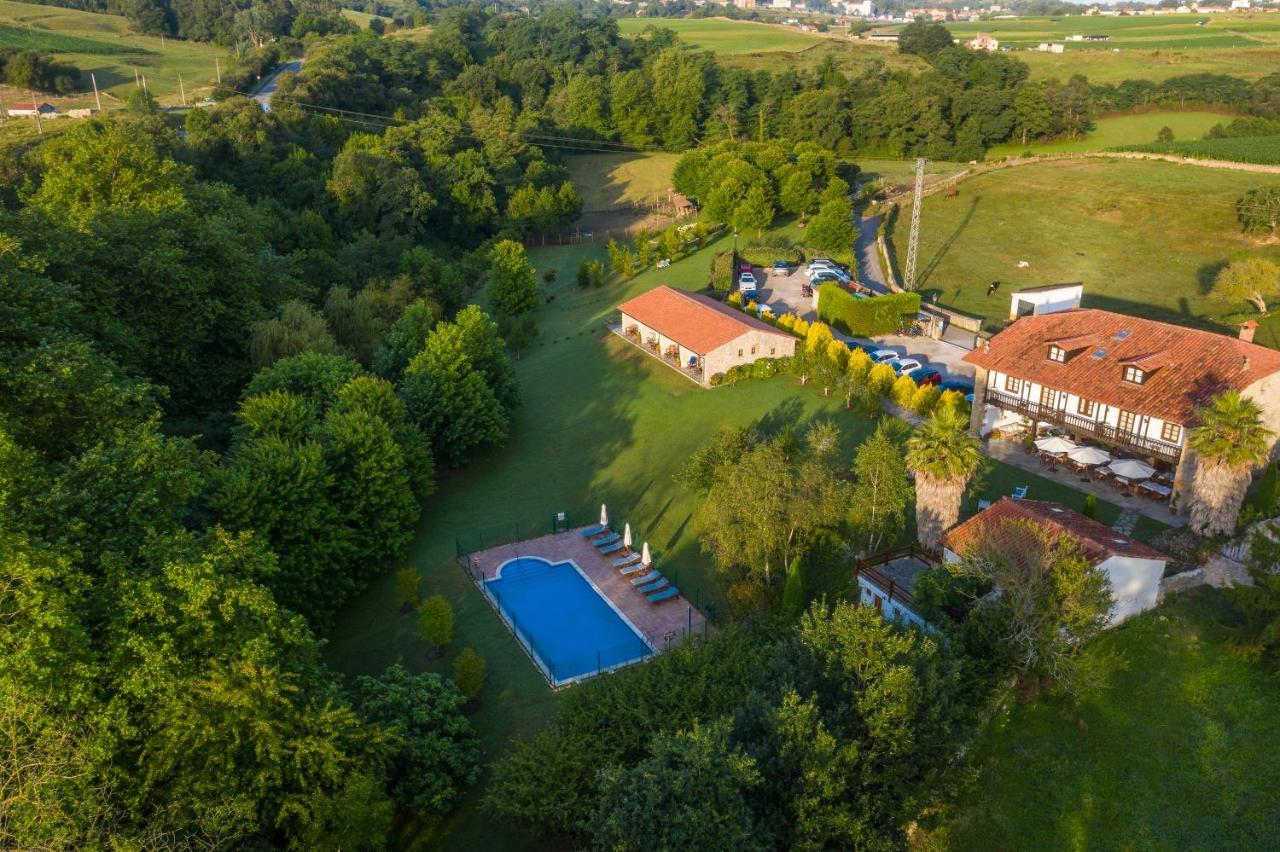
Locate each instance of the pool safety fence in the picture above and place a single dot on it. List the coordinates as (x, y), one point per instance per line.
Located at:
(474, 541)
(566, 671)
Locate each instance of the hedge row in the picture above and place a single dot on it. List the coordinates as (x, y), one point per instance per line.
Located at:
(865, 317)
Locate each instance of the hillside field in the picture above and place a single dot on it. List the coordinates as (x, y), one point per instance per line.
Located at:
(105, 46)
(610, 181)
(1176, 751)
(1116, 130)
(1144, 238)
(1153, 48)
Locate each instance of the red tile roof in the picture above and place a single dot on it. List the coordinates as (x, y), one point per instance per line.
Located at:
(1098, 541)
(695, 322)
(1186, 367)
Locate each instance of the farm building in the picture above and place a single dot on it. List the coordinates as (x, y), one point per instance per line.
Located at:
(1051, 47)
(1133, 568)
(698, 335)
(29, 109)
(982, 41)
(885, 36)
(1049, 299)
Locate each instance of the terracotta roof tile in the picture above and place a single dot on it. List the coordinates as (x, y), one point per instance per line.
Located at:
(1187, 366)
(1098, 541)
(694, 321)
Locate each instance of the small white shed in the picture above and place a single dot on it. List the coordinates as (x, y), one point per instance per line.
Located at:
(1049, 299)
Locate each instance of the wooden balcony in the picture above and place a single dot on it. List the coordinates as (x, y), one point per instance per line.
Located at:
(885, 570)
(1085, 427)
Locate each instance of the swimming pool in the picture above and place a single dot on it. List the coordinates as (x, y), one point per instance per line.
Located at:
(569, 628)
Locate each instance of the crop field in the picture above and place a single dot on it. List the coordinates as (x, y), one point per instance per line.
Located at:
(1249, 149)
(1122, 130)
(1144, 237)
(105, 46)
(1153, 48)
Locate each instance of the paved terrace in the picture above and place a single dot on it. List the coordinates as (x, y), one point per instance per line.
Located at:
(1012, 452)
(663, 624)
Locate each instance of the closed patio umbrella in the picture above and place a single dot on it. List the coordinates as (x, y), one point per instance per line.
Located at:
(1131, 469)
(644, 555)
(1089, 456)
(626, 537)
(1057, 444)
(604, 516)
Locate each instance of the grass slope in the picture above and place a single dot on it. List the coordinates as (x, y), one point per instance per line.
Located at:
(724, 36)
(1116, 130)
(106, 46)
(610, 181)
(1146, 238)
(600, 422)
(1177, 752)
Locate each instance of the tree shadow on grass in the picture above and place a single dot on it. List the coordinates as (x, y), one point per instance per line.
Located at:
(936, 260)
(1206, 274)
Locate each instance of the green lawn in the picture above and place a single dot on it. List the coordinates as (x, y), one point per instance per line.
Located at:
(1145, 237)
(600, 422)
(1116, 130)
(609, 181)
(106, 46)
(1177, 752)
(724, 36)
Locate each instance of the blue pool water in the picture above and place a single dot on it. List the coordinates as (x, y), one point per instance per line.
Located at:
(569, 628)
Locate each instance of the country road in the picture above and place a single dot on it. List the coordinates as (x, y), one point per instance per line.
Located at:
(870, 270)
(268, 88)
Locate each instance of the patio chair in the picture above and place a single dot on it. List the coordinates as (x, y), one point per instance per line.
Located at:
(645, 579)
(607, 539)
(633, 568)
(596, 530)
(611, 548)
(1020, 492)
(624, 561)
(656, 585)
(665, 595)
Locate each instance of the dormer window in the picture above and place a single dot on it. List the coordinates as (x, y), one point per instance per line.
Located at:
(1057, 353)
(1135, 375)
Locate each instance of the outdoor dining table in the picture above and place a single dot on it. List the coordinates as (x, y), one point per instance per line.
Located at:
(1156, 488)
(1120, 480)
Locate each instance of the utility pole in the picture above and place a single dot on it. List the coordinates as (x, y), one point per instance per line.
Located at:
(761, 121)
(144, 86)
(909, 279)
(3, 114)
(182, 90)
(36, 109)
(96, 97)
(217, 66)
(136, 84)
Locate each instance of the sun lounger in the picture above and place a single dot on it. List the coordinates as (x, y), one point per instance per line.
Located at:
(1020, 492)
(626, 560)
(596, 530)
(631, 569)
(665, 595)
(611, 548)
(660, 583)
(646, 578)
(607, 539)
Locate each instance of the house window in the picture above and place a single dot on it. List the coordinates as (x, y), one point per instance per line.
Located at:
(1086, 407)
(1012, 385)
(773, 350)
(739, 353)
(1056, 354)
(1135, 375)
(1171, 432)
(753, 349)
(1125, 421)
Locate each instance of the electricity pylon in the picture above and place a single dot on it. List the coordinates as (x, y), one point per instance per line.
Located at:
(909, 280)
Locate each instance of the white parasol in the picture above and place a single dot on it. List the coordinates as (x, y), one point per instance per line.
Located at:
(604, 516)
(1132, 469)
(626, 537)
(644, 555)
(1057, 444)
(1089, 456)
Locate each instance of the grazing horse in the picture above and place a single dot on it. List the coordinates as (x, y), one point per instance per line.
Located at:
(951, 193)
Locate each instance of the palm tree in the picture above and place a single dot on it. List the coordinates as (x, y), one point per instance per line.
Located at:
(943, 456)
(1230, 443)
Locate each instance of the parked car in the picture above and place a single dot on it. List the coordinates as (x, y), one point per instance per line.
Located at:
(869, 348)
(744, 267)
(747, 284)
(962, 385)
(825, 275)
(925, 376)
(883, 356)
(904, 365)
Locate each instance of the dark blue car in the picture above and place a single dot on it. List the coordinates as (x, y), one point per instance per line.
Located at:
(963, 385)
(925, 376)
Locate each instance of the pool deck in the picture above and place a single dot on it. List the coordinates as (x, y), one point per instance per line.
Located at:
(663, 624)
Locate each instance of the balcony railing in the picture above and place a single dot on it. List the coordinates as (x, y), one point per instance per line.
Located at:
(869, 568)
(1087, 428)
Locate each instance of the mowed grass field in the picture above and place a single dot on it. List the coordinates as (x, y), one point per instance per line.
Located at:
(1112, 131)
(611, 181)
(1145, 238)
(1146, 47)
(601, 422)
(1177, 751)
(107, 47)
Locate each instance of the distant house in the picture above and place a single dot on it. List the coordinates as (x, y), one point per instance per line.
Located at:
(29, 109)
(886, 36)
(698, 335)
(1051, 47)
(982, 41)
(1097, 37)
(1133, 568)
